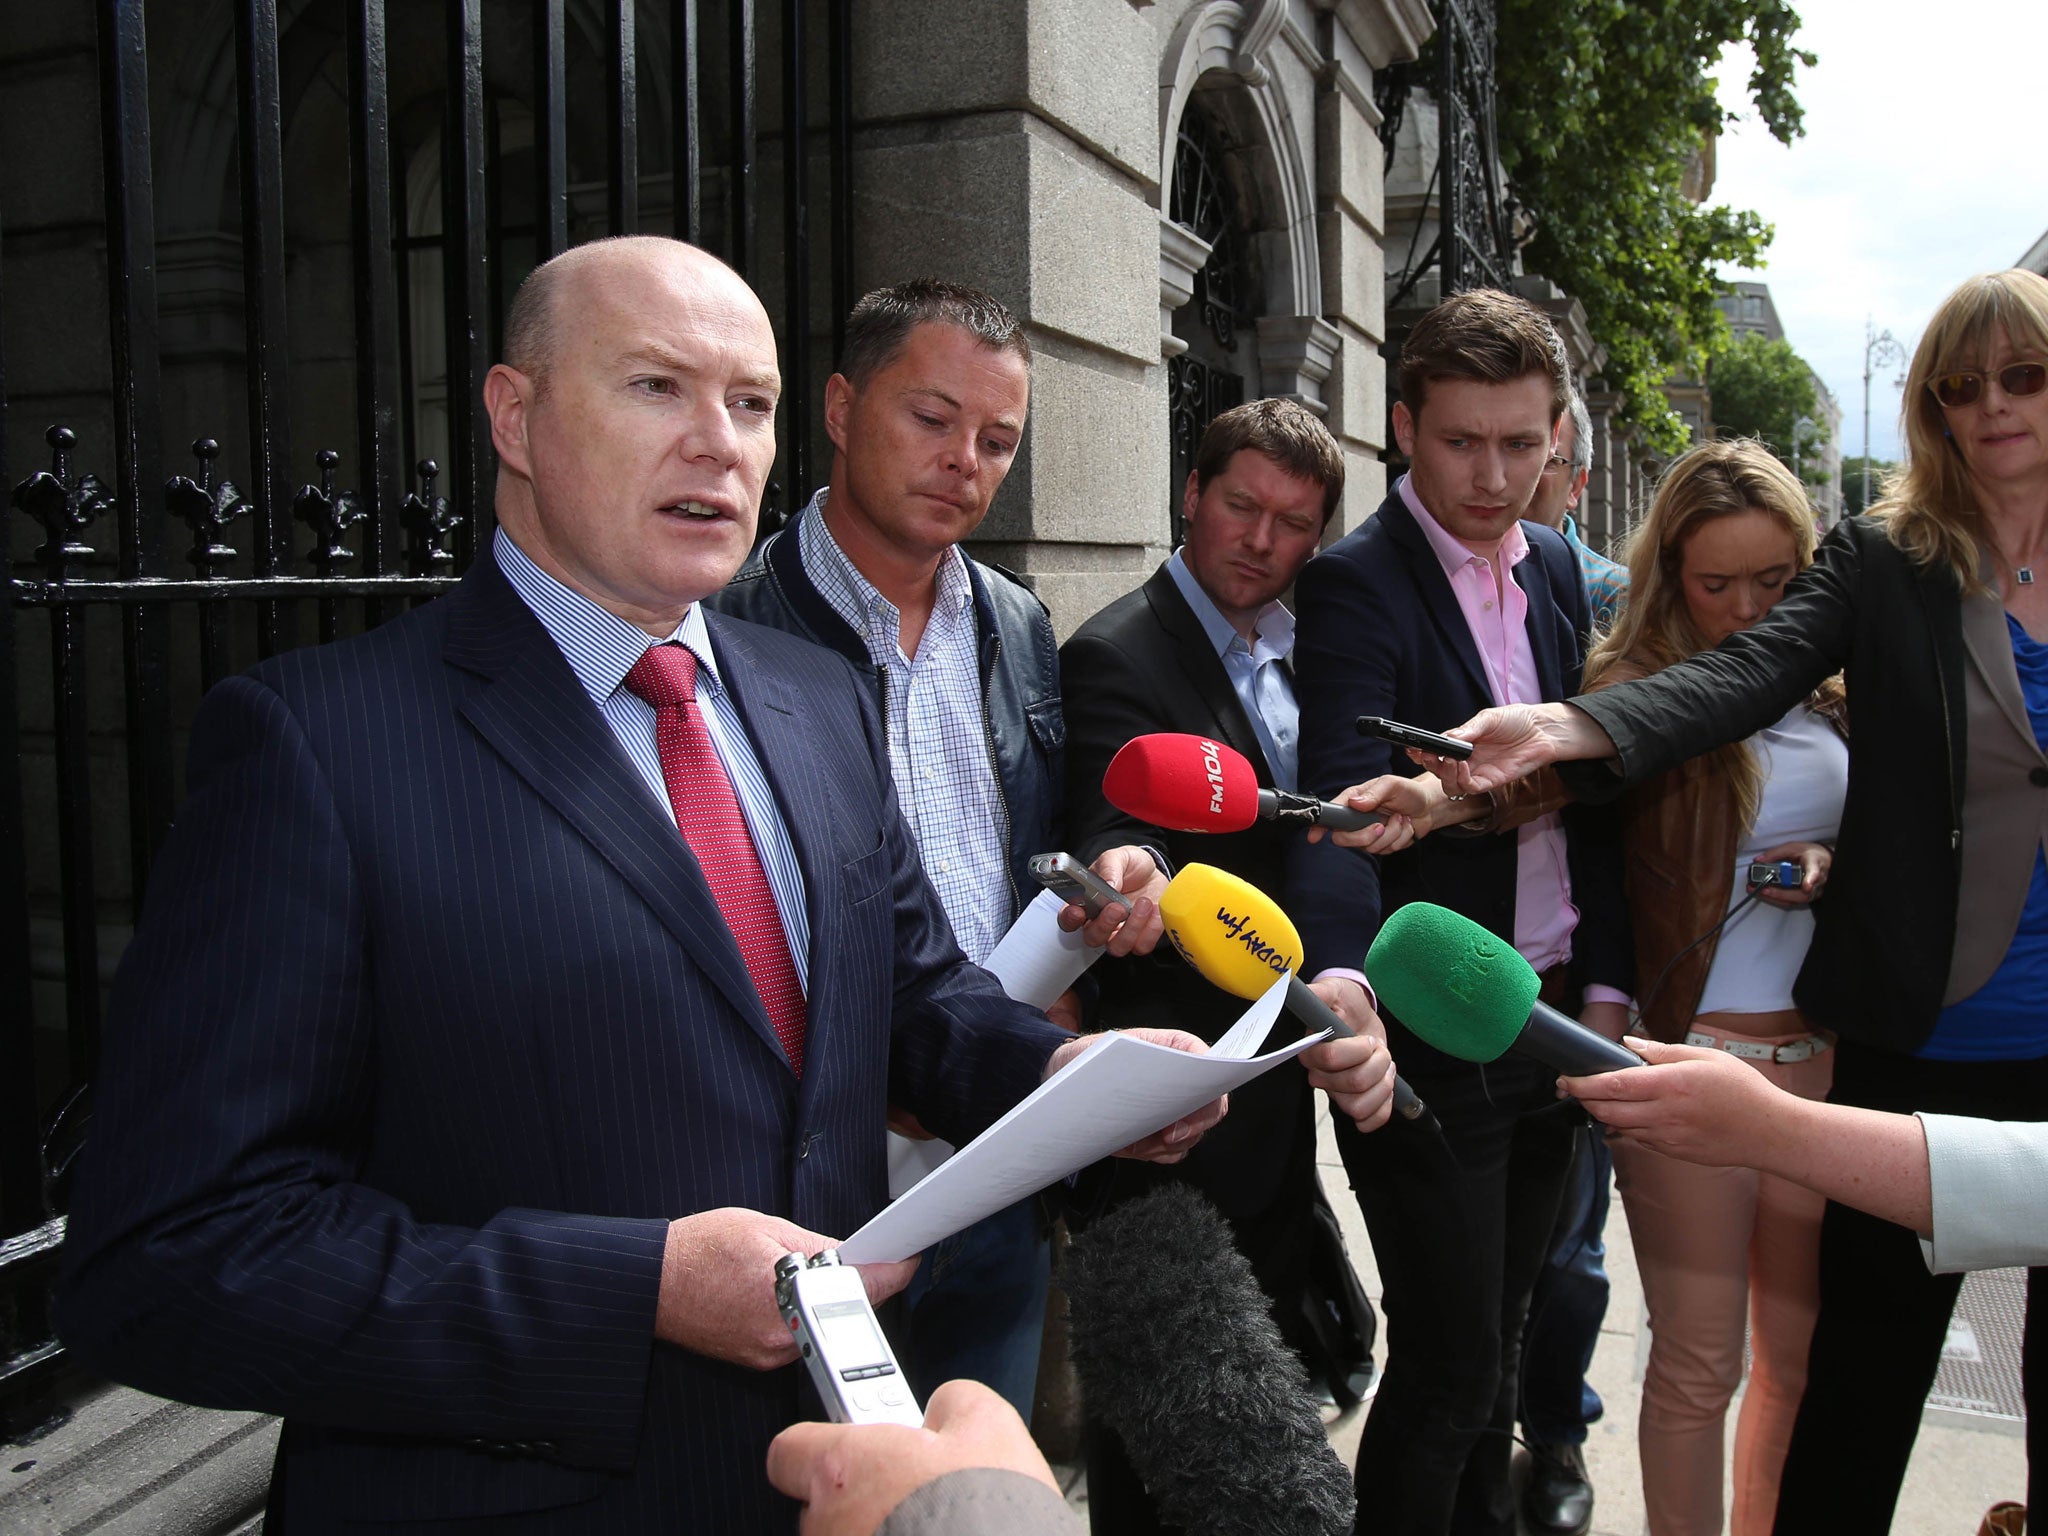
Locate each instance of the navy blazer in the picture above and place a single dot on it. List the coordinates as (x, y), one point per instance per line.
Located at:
(1380, 632)
(431, 1025)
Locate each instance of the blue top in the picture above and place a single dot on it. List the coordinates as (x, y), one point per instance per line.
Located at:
(2006, 1019)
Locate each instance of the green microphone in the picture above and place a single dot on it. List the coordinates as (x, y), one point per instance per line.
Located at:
(1466, 992)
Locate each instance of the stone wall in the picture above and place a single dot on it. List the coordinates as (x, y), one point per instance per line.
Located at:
(1028, 149)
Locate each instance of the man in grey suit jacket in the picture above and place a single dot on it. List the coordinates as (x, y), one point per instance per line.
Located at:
(451, 1105)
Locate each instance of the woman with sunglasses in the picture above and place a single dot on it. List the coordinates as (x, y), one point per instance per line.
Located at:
(1929, 958)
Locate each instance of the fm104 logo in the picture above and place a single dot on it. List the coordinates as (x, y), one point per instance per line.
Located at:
(1212, 769)
(1246, 936)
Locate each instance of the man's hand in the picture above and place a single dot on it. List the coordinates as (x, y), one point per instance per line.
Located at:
(849, 1476)
(1512, 742)
(718, 1285)
(1065, 1010)
(1131, 870)
(1414, 805)
(1814, 861)
(1357, 1073)
(1699, 1105)
(1177, 1140)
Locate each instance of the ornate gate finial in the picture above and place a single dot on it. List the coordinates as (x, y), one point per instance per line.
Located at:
(64, 506)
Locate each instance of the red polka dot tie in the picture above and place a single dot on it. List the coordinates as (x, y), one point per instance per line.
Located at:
(708, 812)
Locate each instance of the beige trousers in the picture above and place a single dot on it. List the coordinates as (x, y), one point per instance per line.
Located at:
(1720, 1249)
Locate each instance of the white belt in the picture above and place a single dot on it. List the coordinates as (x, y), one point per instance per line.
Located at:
(1805, 1048)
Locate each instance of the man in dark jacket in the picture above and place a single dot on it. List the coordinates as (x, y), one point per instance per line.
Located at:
(1203, 647)
(925, 417)
(1443, 599)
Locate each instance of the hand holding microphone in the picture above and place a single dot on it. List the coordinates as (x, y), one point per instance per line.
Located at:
(1197, 784)
(1466, 992)
(1238, 938)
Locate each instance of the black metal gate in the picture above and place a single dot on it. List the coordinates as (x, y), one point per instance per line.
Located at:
(1208, 377)
(467, 141)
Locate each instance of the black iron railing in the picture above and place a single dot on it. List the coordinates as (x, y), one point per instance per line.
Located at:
(202, 573)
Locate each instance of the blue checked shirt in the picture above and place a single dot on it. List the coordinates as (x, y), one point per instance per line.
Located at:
(601, 649)
(938, 733)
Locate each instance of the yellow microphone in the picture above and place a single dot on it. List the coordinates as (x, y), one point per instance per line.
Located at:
(1237, 937)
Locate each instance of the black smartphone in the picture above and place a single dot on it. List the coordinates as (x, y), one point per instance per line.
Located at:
(1785, 873)
(1072, 881)
(1413, 736)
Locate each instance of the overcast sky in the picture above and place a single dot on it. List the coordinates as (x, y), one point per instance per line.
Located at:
(1924, 160)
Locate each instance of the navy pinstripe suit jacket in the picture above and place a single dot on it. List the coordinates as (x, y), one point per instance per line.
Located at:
(423, 969)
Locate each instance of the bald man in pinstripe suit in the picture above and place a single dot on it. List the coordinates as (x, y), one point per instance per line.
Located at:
(442, 1111)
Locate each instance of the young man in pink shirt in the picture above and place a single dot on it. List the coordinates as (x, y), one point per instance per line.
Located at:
(1445, 600)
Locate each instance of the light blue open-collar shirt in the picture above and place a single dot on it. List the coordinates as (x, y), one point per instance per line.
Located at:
(1257, 671)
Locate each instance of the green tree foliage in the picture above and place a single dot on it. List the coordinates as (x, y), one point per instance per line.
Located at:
(1852, 482)
(1603, 107)
(1762, 389)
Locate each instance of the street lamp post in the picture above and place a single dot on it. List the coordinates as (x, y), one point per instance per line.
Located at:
(1800, 427)
(1880, 348)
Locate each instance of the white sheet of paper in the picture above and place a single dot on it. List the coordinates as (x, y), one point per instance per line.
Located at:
(1037, 960)
(1119, 1091)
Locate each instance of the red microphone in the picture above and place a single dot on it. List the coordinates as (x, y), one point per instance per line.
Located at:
(1197, 784)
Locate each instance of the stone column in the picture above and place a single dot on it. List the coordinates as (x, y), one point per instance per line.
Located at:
(1016, 148)
(1600, 517)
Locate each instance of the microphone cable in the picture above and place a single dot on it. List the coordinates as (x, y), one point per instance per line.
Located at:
(1726, 918)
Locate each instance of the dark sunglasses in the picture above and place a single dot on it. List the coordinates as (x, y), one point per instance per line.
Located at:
(1956, 390)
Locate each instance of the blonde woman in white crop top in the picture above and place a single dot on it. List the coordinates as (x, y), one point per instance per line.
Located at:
(1723, 1251)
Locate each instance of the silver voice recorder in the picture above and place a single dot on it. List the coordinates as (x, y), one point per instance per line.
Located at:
(850, 1361)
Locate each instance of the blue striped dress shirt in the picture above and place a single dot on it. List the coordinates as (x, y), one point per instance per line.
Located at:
(601, 649)
(1258, 675)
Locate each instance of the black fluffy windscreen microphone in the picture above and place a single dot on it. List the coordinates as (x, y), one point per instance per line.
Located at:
(1178, 1353)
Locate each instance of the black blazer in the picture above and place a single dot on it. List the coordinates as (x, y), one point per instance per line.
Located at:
(431, 1025)
(1380, 633)
(1885, 934)
(1141, 665)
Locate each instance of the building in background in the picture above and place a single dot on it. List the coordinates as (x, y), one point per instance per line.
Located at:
(1750, 310)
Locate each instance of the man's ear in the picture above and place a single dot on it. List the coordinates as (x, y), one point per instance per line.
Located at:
(1190, 497)
(839, 394)
(1404, 429)
(508, 396)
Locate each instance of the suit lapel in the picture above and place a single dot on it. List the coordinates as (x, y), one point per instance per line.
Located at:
(1990, 647)
(1196, 656)
(1533, 577)
(1442, 603)
(528, 705)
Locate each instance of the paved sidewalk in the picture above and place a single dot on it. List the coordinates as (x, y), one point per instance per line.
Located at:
(1956, 1474)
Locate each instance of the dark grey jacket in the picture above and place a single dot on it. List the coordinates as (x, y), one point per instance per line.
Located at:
(1884, 937)
(1020, 679)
